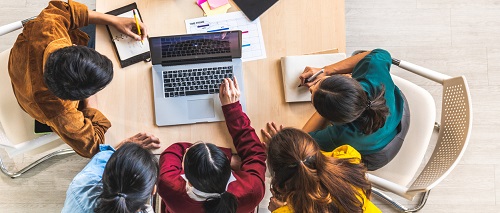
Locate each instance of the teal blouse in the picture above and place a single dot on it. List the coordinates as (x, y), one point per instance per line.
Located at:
(371, 72)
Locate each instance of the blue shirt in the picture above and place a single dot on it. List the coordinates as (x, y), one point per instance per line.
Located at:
(86, 187)
(371, 72)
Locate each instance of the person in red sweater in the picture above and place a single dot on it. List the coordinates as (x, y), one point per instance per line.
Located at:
(199, 177)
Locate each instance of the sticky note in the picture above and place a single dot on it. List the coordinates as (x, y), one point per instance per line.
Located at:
(217, 3)
(220, 10)
(199, 2)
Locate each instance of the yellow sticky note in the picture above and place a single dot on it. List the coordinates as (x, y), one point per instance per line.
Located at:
(220, 10)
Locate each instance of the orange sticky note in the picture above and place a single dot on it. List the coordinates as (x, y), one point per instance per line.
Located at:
(220, 10)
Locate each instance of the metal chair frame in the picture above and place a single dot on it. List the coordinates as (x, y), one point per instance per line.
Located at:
(16, 174)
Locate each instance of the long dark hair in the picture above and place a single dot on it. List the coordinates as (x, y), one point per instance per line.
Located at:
(308, 180)
(208, 169)
(128, 180)
(342, 100)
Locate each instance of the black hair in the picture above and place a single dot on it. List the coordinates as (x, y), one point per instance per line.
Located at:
(128, 180)
(208, 169)
(342, 100)
(77, 72)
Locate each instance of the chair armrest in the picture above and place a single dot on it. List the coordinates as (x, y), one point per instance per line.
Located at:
(422, 71)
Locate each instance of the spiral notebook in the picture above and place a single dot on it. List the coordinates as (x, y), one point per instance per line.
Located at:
(128, 50)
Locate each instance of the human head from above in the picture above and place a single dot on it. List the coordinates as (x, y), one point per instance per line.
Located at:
(77, 72)
(208, 170)
(342, 100)
(310, 181)
(128, 180)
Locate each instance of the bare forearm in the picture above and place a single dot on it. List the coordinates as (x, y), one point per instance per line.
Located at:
(345, 66)
(316, 122)
(100, 18)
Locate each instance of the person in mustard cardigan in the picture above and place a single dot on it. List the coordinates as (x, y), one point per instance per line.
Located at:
(53, 73)
(305, 179)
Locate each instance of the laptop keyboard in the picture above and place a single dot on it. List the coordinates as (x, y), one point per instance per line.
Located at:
(206, 44)
(199, 81)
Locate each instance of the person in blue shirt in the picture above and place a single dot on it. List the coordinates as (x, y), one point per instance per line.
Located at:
(366, 110)
(116, 181)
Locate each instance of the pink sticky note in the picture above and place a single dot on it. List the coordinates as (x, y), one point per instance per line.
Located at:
(217, 3)
(200, 2)
(220, 10)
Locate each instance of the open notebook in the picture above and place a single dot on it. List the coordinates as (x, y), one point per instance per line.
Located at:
(128, 50)
(293, 66)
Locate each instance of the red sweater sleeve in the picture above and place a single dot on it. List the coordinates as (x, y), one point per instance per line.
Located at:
(171, 169)
(246, 142)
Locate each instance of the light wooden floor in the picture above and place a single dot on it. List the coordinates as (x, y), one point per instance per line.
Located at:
(456, 37)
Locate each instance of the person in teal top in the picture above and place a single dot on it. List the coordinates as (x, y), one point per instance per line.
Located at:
(364, 111)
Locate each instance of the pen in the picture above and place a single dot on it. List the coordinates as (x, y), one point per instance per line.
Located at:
(138, 27)
(313, 77)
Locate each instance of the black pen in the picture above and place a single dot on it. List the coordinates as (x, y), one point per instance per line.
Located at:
(313, 77)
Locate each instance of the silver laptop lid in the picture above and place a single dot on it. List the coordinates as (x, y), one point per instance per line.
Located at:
(195, 48)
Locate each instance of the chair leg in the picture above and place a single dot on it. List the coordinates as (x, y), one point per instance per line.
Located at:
(399, 206)
(25, 169)
(153, 201)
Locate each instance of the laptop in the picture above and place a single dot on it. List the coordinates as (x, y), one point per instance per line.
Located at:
(187, 72)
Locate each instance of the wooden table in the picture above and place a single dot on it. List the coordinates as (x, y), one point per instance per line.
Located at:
(290, 27)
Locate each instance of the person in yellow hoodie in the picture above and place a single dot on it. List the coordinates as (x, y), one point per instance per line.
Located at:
(305, 179)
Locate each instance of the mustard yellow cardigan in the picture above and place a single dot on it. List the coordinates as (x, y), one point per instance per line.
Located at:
(344, 151)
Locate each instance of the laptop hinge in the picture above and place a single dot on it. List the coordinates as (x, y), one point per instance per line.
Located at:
(196, 60)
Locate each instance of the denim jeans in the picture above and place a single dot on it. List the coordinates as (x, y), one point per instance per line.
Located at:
(90, 30)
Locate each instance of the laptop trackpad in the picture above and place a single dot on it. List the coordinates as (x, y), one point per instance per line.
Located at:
(199, 109)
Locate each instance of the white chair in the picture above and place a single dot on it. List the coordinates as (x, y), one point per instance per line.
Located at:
(401, 176)
(14, 26)
(17, 126)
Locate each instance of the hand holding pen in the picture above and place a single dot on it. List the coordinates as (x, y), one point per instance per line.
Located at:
(128, 27)
(138, 26)
(310, 76)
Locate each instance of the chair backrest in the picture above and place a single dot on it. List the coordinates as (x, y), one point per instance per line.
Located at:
(17, 125)
(401, 170)
(454, 134)
(14, 26)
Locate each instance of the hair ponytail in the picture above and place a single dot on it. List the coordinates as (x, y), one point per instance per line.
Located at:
(342, 100)
(208, 169)
(375, 114)
(128, 180)
(227, 202)
(319, 183)
(112, 204)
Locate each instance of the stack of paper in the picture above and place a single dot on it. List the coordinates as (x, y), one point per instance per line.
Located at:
(213, 7)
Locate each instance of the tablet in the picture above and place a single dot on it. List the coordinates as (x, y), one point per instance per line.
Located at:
(41, 128)
(254, 8)
(128, 50)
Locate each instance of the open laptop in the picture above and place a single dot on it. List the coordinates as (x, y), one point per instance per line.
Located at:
(187, 72)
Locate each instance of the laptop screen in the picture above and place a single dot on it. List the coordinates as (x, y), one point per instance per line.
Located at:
(193, 48)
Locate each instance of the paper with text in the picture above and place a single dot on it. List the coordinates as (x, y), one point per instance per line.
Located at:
(253, 47)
